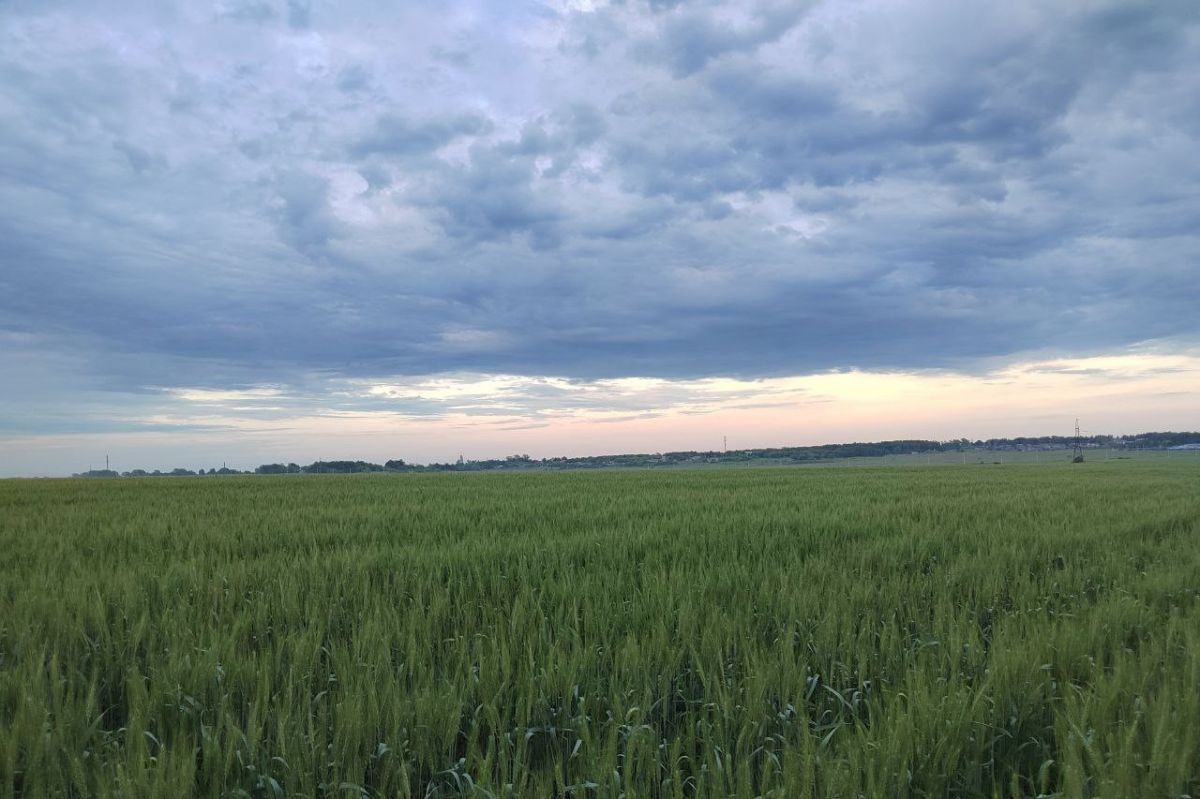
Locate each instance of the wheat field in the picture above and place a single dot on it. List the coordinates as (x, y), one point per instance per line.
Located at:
(944, 631)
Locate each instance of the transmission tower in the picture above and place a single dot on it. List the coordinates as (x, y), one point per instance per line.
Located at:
(1077, 450)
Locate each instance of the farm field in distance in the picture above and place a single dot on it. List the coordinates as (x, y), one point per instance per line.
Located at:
(927, 631)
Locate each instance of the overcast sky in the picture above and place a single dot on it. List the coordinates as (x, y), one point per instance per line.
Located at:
(252, 230)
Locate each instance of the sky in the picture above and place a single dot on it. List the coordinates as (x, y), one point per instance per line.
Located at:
(248, 231)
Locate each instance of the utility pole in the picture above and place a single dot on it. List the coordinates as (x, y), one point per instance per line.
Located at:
(725, 443)
(1077, 450)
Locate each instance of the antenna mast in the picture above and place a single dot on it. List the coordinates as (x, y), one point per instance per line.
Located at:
(1077, 450)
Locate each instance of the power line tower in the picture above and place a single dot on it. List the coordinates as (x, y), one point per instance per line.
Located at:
(1077, 450)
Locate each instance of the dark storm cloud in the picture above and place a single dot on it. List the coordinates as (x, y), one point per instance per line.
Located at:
(687, 38)
(299, 13)
(247, 10)
(260, 192)
(306, 222)
(395, 135)
(495, 199)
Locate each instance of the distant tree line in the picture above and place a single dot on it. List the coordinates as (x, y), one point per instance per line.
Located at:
(157, 473)
(775, 455)
(1139, 441)
(320, 467)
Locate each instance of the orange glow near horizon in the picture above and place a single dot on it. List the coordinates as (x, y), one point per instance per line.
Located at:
(485, 416)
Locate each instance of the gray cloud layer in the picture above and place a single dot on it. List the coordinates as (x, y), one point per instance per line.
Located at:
(258, 192)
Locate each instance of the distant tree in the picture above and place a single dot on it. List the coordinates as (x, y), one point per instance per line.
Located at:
(342, 467)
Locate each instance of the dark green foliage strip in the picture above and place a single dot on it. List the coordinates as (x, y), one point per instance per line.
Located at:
(789, 633)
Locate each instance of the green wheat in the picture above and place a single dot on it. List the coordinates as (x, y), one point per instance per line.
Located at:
(918, 632)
